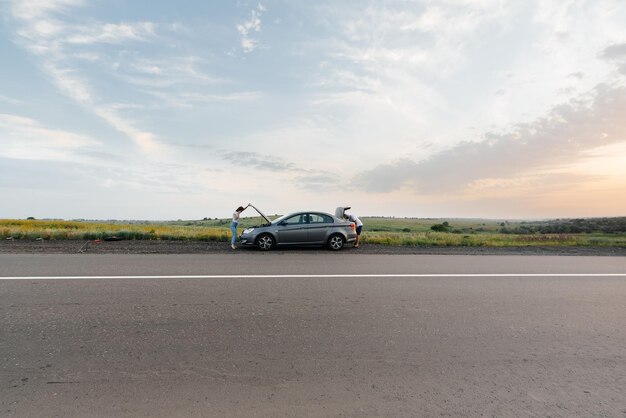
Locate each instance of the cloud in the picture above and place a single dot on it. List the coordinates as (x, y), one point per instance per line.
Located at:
(43, 26)
(76, 88)
(552, 142)
(317, 182)
(102, 156)
(389, 69)
(415, 37)
(252, 24)
(617, 54)
(614, 52)
(26, 138)
(9, 100)
(64, 48)
(183, 69)
(178, 81)
(34, 9)
(254, 160)
(44, 35)
(190, 99)
(69, 83)
(428, 64)
(146, 140)
(311, 180)
(111, 33)
(23, 176)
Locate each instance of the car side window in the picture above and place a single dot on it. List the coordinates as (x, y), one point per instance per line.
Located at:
(316, 218)
(298, 219)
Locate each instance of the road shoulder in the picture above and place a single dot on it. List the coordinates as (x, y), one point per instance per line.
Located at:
(203, 247)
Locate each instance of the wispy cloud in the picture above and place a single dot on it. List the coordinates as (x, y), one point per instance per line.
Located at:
(396, 34)
(43, 34)
(322, 182)
(165, 72)
(10, 100)
(254, 160)
(34, 9)
(186, 99)
(111, 33)
(250, 25)
(26, 138)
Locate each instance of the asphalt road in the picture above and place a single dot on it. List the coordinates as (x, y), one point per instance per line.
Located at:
(520, 336)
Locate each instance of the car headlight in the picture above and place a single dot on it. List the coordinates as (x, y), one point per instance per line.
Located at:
(248, 230)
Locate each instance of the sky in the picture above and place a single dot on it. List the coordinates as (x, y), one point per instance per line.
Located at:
(137, 109)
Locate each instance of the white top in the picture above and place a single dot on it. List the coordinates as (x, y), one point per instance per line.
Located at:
(236, 216)
(353, 218)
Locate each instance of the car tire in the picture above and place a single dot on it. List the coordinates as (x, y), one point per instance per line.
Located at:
(336, 242)
(265, 242)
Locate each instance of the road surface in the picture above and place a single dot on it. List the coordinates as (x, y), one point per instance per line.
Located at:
(312, 334)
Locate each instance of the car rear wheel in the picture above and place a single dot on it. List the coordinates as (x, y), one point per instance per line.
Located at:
(265, 242)
(335, 242)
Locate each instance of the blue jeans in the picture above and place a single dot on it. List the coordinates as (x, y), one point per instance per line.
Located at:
(233, 229)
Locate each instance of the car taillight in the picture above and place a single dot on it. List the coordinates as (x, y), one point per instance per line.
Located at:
(352, 226)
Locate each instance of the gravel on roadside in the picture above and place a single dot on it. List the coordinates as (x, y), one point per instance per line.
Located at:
(199, 247)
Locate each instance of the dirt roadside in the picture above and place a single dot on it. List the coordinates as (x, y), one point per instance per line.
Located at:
(200, 247)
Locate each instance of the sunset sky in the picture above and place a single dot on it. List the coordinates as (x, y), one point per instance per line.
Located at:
(137, 109)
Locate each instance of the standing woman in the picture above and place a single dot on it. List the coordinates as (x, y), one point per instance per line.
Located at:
(233, 225)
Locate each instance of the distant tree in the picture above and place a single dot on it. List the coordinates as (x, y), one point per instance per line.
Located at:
(30, 218)
(439, 227)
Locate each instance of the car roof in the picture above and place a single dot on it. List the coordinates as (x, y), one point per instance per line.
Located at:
(311, 211)
(317, 212)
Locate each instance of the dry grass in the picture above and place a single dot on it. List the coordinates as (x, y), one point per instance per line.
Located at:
(34, 229)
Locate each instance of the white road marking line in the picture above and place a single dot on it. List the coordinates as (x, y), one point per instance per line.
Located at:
(313, 276)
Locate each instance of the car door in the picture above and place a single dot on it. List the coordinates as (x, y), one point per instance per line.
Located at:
(292, 230)
(318, 227)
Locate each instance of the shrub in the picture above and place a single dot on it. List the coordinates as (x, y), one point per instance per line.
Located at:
(439, 227)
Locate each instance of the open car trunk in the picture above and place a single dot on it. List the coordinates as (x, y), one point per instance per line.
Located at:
(340, 211)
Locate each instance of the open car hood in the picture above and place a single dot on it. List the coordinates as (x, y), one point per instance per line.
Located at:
(262, 214)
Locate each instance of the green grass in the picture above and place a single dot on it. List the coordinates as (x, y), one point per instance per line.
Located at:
(385, 231)
(447, 239)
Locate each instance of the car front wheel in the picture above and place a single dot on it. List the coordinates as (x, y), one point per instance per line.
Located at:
(265, 242)
(335, 242)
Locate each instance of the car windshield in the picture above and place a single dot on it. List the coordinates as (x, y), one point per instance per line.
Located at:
(275, 221)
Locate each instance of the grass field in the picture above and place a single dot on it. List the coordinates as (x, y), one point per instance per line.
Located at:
(385, 231)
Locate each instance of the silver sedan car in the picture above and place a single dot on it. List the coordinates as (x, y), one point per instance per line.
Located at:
(300, 228)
